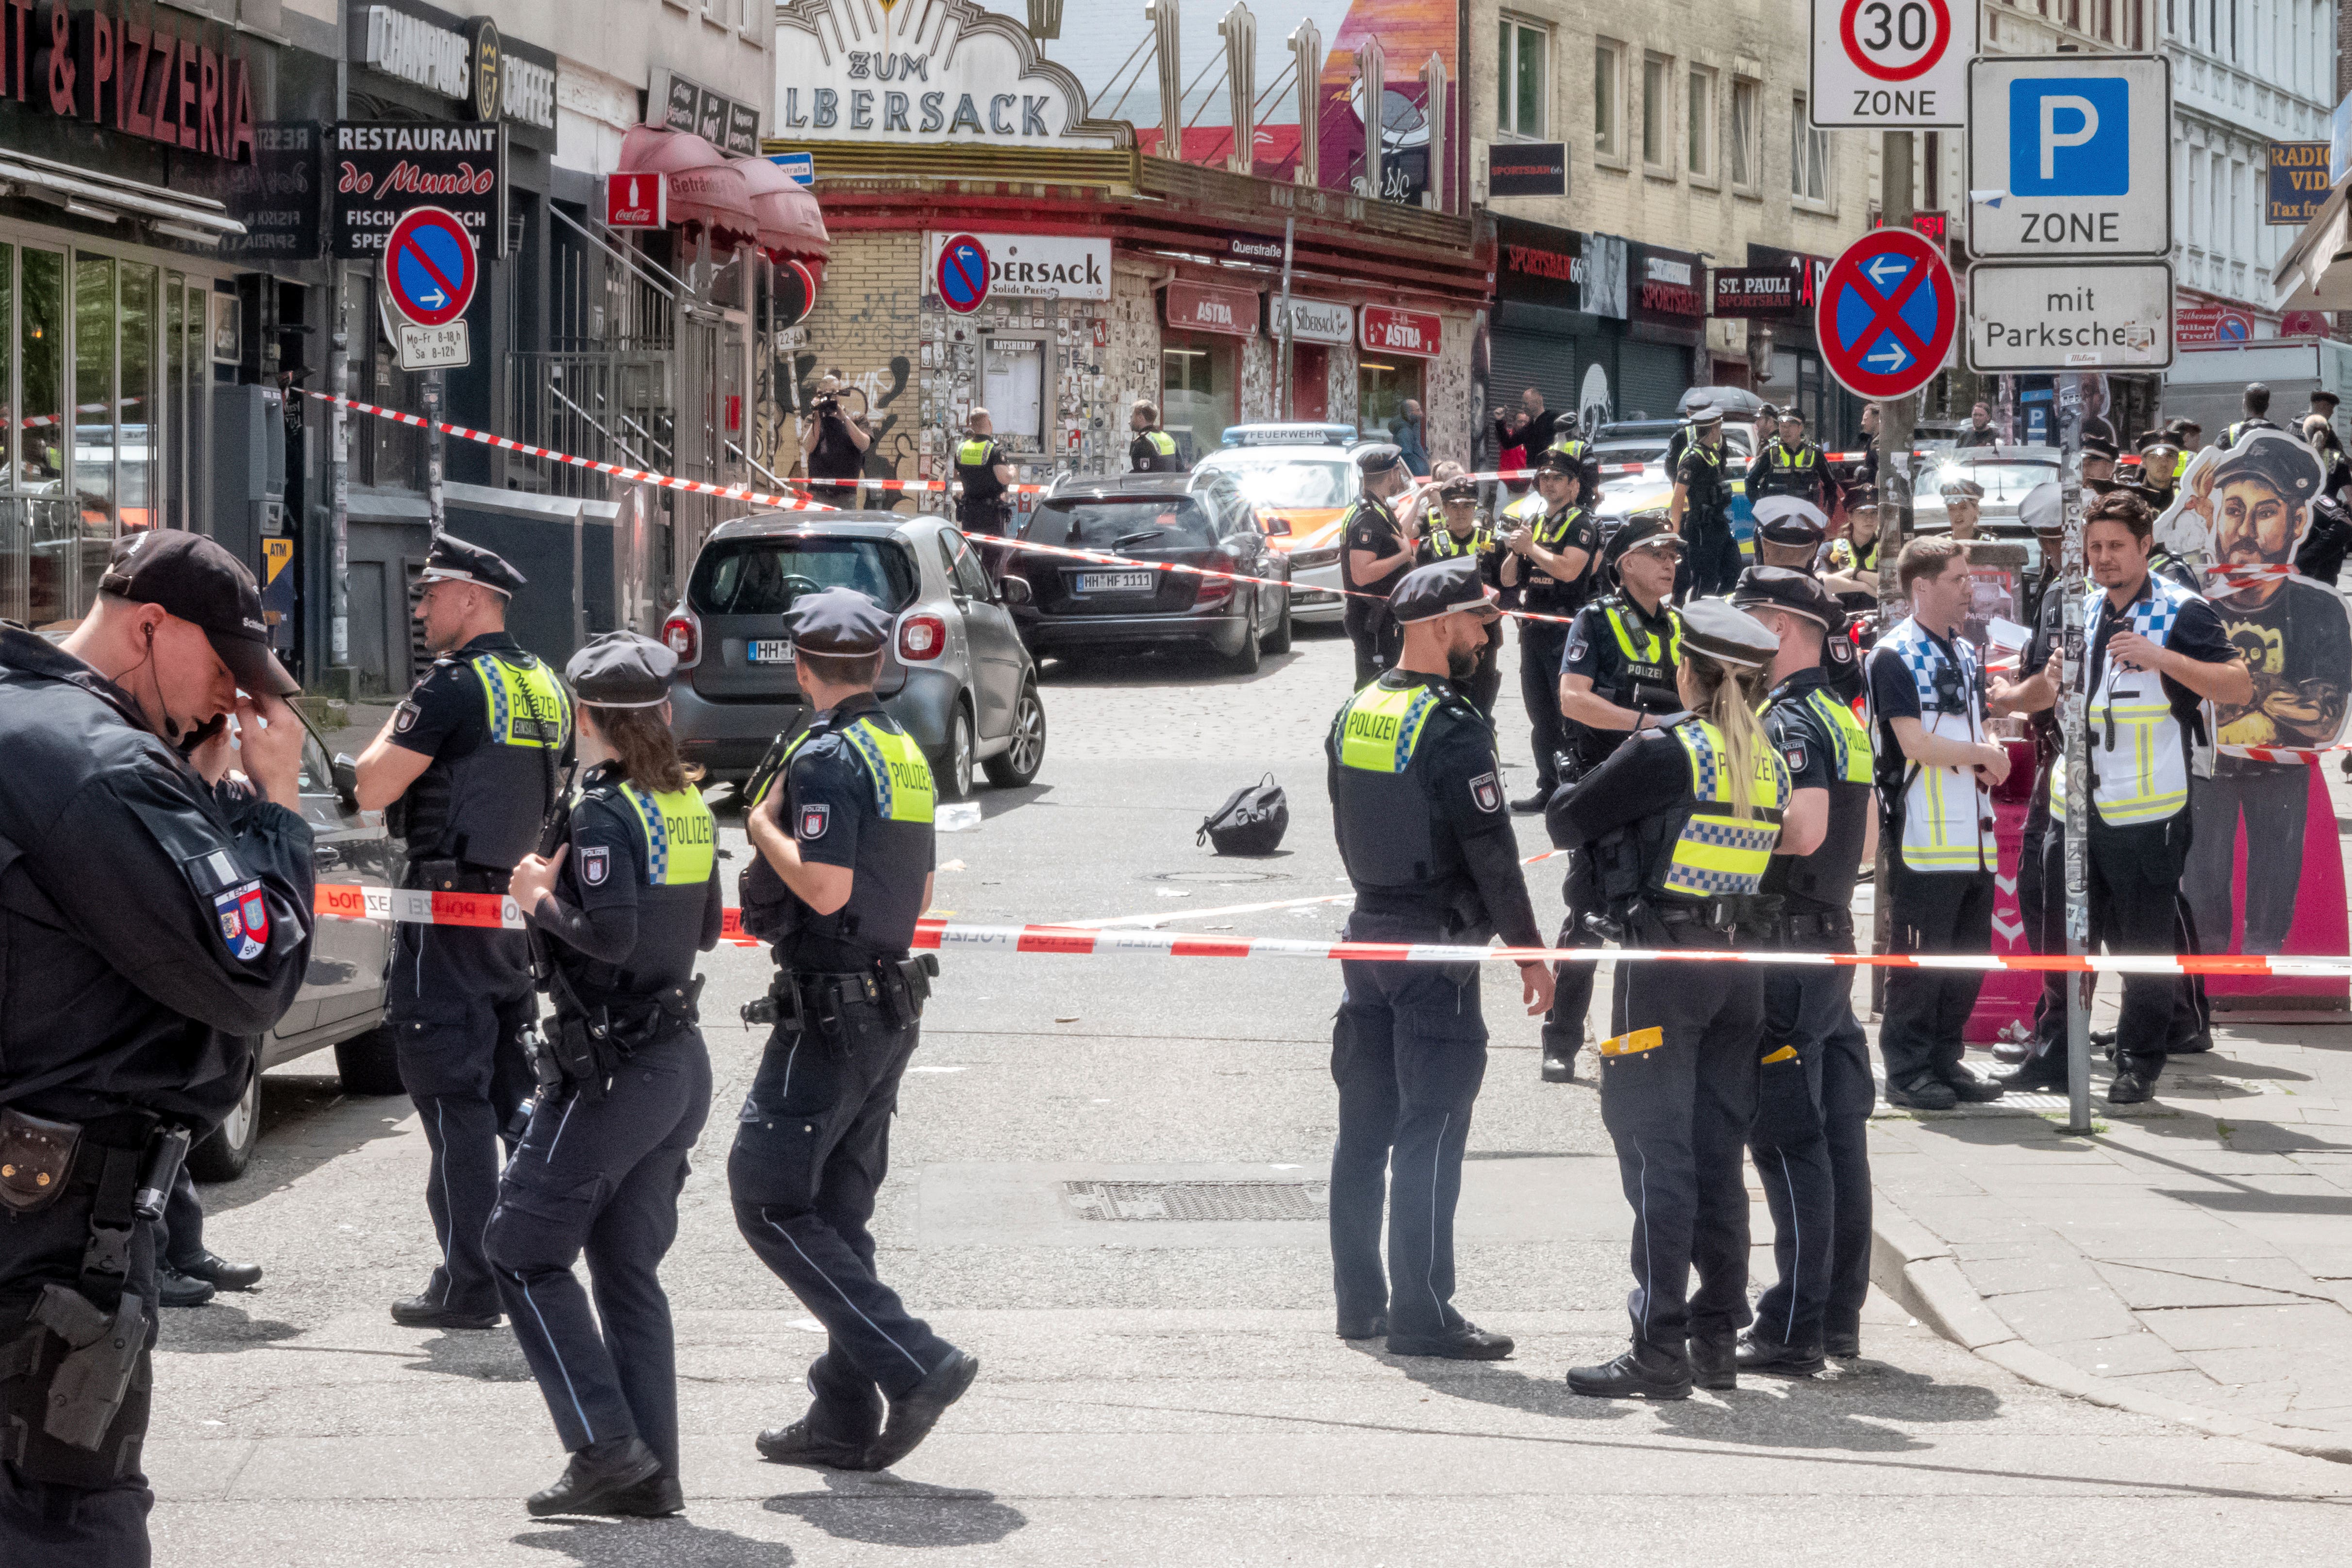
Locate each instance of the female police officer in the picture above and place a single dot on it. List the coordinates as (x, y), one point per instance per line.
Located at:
(625, 1084)
(1680, 825)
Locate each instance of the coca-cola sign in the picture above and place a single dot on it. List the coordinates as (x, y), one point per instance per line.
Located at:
(377, 172)
(1211, 308)
(1387, 329)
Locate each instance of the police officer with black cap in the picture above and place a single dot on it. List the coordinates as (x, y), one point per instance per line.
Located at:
(1617, 680)
(1701, 509)
(1790, 533)
(155, 911)
(1553, 551)
(986, 474)
(471, 766)
(1682, 824)
(1374, 548)
(621, 904)
(1457, 530)
(1814, 1094)
(841, 816)
(1417, 804)
(1791, 465)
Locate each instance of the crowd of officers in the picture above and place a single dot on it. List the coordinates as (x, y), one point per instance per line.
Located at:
(1700, 760)
(157, 885)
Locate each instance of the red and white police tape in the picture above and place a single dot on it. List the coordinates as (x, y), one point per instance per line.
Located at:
(495, 912)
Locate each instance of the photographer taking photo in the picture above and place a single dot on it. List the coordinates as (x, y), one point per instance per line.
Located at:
(834, 441)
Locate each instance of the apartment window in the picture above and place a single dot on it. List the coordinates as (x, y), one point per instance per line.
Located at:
(1657, 103)
(1808, 156)
(1930, 196)
(1700, 158)
(1521, 57)
(1747, 151)
(1609, 101)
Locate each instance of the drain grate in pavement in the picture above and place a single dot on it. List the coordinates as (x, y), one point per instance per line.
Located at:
(1199, 1200)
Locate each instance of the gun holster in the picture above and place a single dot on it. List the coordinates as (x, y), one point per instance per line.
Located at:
(907, 985)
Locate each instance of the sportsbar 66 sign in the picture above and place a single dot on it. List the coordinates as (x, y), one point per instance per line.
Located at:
(138, 77)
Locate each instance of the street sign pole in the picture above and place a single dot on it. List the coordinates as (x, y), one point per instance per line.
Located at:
(437, 450)
(2074, 723)
(1898, 418)
(1284, 393)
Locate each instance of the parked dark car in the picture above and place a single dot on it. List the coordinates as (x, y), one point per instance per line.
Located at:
(956, 677)
(1195, 519)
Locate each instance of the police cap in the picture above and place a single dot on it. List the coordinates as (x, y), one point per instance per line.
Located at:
(1378, 458)
(1443, 588)
(621, 669)
(1704, 414)
(1643, 533)
(2323, 395)
(1860, 498)
(2286, 465)
(1790, 519)
(1558, 462)
(195, 579)
(2044, 508)
(1784, 588)
(452, 560)
(1727, 635)
(1962, 490)
(841, 622)
(2099, 447)
(1458, 490)
(1793, 415)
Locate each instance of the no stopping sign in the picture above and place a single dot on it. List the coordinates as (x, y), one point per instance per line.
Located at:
(1892, 65)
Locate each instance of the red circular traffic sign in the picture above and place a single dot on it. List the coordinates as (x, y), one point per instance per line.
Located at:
(962, 274)
(1896, 40)
(1886, 314)
(429, 266)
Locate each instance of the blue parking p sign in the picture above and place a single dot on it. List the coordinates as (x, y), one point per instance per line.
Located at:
(2076, 136)
(2070, 157)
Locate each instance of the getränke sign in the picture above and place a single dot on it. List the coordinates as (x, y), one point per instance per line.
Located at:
(141, 77)
(944, 72)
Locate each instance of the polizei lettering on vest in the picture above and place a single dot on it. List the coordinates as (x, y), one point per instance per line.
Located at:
(1371, 726)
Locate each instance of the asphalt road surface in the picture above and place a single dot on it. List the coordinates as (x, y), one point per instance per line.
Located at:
(1155, 1390)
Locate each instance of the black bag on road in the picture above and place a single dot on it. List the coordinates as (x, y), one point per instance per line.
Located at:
(1252, 822)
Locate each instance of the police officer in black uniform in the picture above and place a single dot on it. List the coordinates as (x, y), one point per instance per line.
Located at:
(1617, 680)
(986, 474)
(1701, 509)
(626, 897)
(1552, 561)
(1791, 532)
(1814, 1094)
(841, 818)
(1153, 450)
(471, 765)
(1682, 824)
(2256, 403)
(1458, 530)
(1417, 804)
(119, 815)
(1375, 549)
(1791, 465)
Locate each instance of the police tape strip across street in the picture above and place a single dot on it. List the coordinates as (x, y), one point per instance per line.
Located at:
(416, 907)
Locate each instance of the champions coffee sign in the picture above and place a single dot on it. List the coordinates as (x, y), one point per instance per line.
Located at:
(378, 171)
(143, 79)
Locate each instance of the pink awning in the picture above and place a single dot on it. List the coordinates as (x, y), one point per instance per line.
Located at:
(705, 190)
(792, 229)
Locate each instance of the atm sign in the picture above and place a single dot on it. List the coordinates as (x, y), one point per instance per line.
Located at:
(1385, 330)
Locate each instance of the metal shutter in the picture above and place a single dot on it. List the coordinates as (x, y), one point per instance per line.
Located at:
(1651, 379)
(1543, 360)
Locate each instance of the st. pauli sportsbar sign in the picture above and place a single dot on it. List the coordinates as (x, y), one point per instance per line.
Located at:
(141, 77)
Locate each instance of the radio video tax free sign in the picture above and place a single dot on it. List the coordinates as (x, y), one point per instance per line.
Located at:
(2070, 157)
(1891, 65)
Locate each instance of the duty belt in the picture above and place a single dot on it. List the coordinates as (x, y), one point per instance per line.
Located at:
(455, 877)
(807, 1001)
(1832, 923)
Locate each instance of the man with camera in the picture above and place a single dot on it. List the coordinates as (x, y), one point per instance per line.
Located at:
(155, 914)
(834, 443)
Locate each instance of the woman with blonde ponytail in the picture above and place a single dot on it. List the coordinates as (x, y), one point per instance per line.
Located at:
(1680, 824)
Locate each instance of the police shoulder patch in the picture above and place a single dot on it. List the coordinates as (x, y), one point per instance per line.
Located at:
(1841, 651)
(595, 864)
(244, 915)
(1796, 758)
(1576, 646)
(814, 820)
(1486, 793)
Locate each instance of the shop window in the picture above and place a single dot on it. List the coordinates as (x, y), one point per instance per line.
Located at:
(1809, 156)
(94, 307)
(1522, 56)
(1196, 396)
(138, 425)
(1013, 390)
(1699, 159)
(41, 339)
(1746, 149)
(1381, 388)
(1658, 106)
(1609, 102)
(7, 381)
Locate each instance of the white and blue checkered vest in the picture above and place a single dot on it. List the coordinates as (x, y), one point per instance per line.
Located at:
(1945, 812)
(2139, 755)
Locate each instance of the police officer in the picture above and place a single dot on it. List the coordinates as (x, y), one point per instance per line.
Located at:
(2154, 651)
(1153, 450)
(471, 765)
(1417, 804)
(1963, 507)
(118, 817)
(2100, 456)
(1570, 443)
(1459, 531)
(1814, 1093)
(986, 474)
(1375, 549)
(1791, 532)
(2159, 467)
(1701, 511)
(1853, 560)
(622, 904)
(1790, 465)
(1553, 546)
(2255, 401)
(1682, 824)
(842, 821)
(1933, 765)
(1617, 680)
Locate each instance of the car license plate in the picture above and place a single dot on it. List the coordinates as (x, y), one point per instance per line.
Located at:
(1114, 582)
(773, 650)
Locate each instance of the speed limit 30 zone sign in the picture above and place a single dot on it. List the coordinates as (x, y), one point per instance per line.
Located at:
(1892, 65)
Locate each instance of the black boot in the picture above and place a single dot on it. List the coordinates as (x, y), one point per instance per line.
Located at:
(1559, 1068)
(1966, 1086)
(600, 1477)
(2037, 1075)
(911, 1418)
(1643, 1372)
(1845, 1344)
(658, 1497)
(1762, 1352)
(173, 1289)
(1373, 1327)
(222, 1272)
(423, 1313)
(802, 1444)
(1715, 1362)
(1463, 1341)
